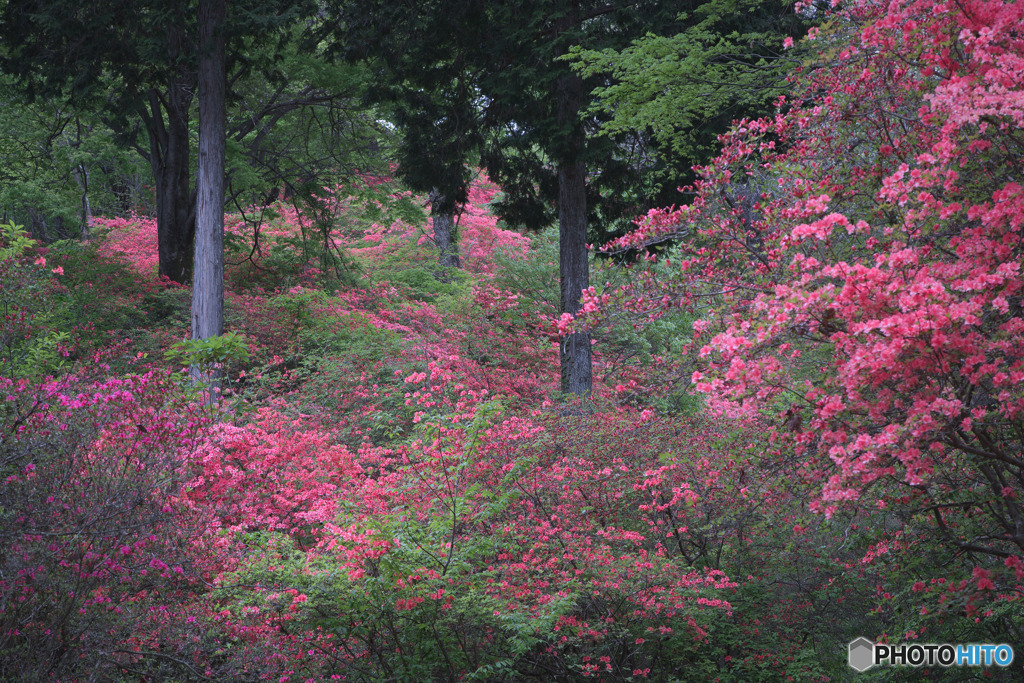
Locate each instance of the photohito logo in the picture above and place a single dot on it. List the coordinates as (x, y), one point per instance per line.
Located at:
(864, 654)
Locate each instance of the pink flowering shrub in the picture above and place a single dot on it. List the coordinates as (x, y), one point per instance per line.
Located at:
(394, 497)
(133, 238)
(481, 237)
(488, 545)
(855, 263)
(505, 545)
(92, 539)
(274, 474)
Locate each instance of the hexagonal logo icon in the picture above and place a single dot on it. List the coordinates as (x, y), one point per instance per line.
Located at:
(862, 654)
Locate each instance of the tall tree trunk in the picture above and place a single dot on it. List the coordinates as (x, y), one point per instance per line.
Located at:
(442, 215)
(208, 274)
(81, 175)
(169, 159)
(574, 268)
(575, 356)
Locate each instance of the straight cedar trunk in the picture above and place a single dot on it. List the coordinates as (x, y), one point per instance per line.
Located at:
(573, 266)
(575, 355)
(442, 216)
(208, 268)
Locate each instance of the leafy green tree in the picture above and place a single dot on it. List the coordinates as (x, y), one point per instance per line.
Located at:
(419, 64)
(505, 63)
(140, 65)
(554, 150)
(59, 166)
(298, 123)
(135, 61)
(680, 91)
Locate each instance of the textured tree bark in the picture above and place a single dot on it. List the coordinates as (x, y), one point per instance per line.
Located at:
(169, 159)
(575, 356)
(574, 268)
(208, 267)
(442, 215)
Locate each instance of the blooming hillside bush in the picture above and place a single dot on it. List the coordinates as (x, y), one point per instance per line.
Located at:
(856, 262)
(133, 238)
(92, 540)
(492, 545)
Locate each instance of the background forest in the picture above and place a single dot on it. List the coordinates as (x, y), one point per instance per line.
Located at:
(519, 340)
